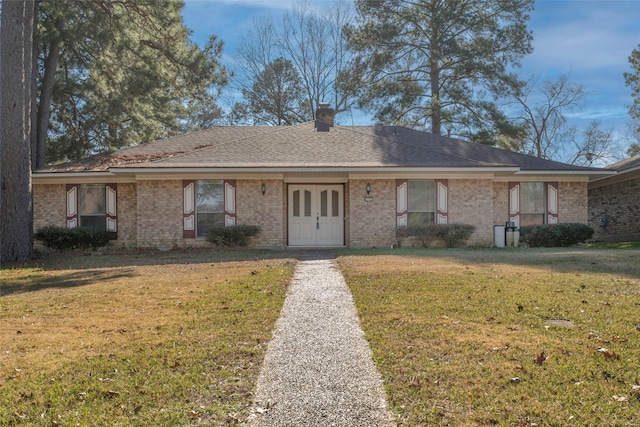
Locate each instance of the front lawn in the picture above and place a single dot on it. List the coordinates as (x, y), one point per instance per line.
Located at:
(503, 337)
(137, 340)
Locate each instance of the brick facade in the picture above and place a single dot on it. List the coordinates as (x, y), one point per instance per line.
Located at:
(500, 203)
(614, 210)
(150, 213)
(471, 202)
(267, 211)
(159, 213)
(572, 202)
(127, 214)
(49, 205)
(371, 224)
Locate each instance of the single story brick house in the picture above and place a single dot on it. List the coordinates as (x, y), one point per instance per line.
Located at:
(313, 184)
(614, 203)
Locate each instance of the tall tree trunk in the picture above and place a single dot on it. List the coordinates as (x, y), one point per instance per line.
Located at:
(436, 108)
(34, 89)
(41, 126)
(16, 62)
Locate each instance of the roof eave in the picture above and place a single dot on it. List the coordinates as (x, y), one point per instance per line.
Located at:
(62, 177)
(593, 175)
(310, 169)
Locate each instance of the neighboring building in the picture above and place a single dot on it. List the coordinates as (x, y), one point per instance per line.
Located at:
(614, 203)
(313, 184)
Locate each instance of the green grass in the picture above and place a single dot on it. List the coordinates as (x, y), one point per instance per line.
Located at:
(620, 245)
(458, 335)
(136, 340)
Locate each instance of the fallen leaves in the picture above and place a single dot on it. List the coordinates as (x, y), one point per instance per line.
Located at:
(608, 355)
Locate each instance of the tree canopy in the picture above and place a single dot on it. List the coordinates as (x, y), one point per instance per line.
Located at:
(277, 95)
(632, 80)
(439, 64)
(314, 47)
(118, 73)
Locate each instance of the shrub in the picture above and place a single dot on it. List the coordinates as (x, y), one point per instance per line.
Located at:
(61, 238)
(457, 234)
(452, 234)
(554, 235)
(232, 236)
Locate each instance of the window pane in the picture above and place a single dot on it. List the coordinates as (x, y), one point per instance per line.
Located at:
(532, 197)
(92, 199)
(323, 203)
(296, 203)
(95, 221)
(420, 218)
(422, 196)
(335, 203)
(531, 219)
(206, 221)
(210, 196)
(307, 203)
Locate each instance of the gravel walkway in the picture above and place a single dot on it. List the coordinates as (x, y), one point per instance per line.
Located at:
(318, 369)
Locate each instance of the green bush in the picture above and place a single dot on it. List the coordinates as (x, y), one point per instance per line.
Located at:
(555, 235)
(232, 236)
(452, 234)
(457, 234)
(61, 238)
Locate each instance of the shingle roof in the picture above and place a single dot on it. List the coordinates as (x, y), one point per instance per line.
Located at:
(625, 165)
(304, 146)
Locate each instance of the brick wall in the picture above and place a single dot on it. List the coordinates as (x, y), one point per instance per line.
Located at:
(266, 211)
(619, 203)
(573, 202)
(150, 212)
(471, 201)
(374, 223)
(371, 223)
(127, 214)
(500, 203)
(159, 213)
(49, 205)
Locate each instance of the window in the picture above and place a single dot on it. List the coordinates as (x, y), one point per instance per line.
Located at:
(532, 207)
(92, 205)
(209, 205)
(421, 198)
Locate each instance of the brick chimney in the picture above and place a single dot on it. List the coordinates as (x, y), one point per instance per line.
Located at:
(324, 117)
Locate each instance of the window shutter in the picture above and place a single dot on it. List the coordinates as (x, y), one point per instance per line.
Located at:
(442, 191)
(189, 209)
(111, 209)
(402, 197)
(552, 203)
(230, 203)
(72, 206)
(514, 203)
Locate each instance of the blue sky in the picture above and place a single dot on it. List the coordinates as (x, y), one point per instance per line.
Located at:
(590, 39)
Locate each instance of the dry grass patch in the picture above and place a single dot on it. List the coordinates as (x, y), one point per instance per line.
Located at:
(159, 340)
(467, 338)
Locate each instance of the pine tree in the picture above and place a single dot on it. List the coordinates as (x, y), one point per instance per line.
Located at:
(632, 80)
(440, 64)
(113, 74)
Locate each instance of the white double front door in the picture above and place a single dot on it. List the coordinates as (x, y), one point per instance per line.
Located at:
(316, 215)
